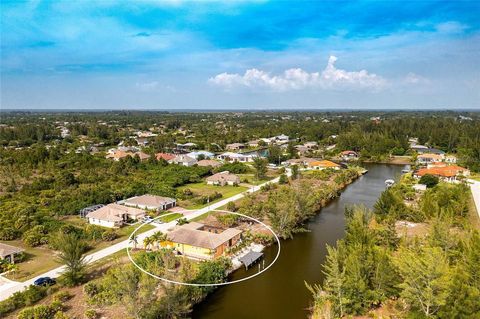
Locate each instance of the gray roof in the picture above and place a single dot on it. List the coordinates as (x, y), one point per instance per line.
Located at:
(7, 250)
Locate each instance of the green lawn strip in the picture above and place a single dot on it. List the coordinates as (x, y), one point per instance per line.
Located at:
(202, 189)
(201, 217)
(171, 217)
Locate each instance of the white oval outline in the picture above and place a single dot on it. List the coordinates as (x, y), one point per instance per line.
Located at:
(205, 285)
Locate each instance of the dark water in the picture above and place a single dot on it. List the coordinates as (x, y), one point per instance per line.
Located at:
(280, 292)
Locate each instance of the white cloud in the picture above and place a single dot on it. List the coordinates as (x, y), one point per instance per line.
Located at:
(413, 78)
(147, 86)
(297, 79)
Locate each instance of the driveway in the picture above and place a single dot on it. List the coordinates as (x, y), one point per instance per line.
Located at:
(6, 290)
(475, 188)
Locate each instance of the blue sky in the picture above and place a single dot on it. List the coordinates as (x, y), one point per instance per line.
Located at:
(240, 54)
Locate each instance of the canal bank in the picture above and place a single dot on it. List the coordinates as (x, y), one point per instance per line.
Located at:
(280, 292)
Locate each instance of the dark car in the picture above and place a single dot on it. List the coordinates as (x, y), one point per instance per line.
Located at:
(44, 281)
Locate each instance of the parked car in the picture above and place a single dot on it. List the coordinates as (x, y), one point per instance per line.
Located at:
(45, 281)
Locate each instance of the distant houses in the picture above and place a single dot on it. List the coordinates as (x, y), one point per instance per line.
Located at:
(197, 154)
(114, 215)
(223, 178)
(165, 156)
(119, 153)
(202, 242)
(428, 158)
(235, 146)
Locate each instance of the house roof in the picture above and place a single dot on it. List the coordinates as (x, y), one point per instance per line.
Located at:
(149, 200)
(113, 212)
(223, 176)
(445, 171)
(349, 153)
(7, 250)
(191, 234)
(209, 163)
(165, 156)
(324, 163)
(235, 145)
(184, 159)
(142, 155)
(431, 155)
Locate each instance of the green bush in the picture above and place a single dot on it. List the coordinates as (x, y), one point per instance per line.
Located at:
(429, 180)
(109, 235)
(90, 314)
(62, 296)
(36, 236)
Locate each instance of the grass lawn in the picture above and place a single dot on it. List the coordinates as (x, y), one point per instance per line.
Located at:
(42, 259)
(252, 180)
(202, 189)
(38, 260)
(171, 217)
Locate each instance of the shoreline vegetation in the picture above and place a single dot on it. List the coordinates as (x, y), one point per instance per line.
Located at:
(415, 255)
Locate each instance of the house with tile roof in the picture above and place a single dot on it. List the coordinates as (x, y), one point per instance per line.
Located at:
(324, 164)
(202, 242)
(151, 202)
(114, 215)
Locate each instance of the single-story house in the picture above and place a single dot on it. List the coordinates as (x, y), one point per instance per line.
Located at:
(196, 154)
(235, 157)
(300, 161)
(211, 163)
(165, 156)
(254, 143)
(420, 187)
(9, 252)
(199, 241)
(183, 160)
(429, 158)
(114, 215)
(349, 155)
(223, 178)
(445, 173)
(310, 145)
(302, 149)
(450, 159)
(186, 146)
(324, 164)
(151, 202)
(423, 150)
(235, 146)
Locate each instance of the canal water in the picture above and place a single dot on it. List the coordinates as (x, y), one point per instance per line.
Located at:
(280, 292)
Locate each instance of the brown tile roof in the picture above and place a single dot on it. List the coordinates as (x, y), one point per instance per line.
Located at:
(446, 171)
(191, 234)
(7, 250)
(224, 176)
(114, 212)
(165, 156)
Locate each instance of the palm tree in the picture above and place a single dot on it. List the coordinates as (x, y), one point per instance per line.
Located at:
(147, 242)
(158, 237)
(72, 254)
(134, 241)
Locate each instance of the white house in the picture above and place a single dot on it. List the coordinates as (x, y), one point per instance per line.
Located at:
(183, 160)
(151, 202)
(114, 215)
(223, 178)
(235, 157)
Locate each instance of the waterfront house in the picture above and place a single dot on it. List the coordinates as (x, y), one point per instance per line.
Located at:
(151, 202)
(449, 173)
(349, 155)
(114, 215)
(324, 164)
(223, 178)
(183, 160)
(202, 242)
(427, 158)
(8, 252)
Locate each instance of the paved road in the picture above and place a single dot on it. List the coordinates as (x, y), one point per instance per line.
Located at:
(7, 289)
(475, 187)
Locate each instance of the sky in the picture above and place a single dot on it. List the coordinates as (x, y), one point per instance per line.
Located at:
(240, 54)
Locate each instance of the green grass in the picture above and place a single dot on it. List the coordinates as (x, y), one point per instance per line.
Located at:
(201, 217)
(202, 189)
(42, 259)
(171, 217)
(252, 180)
(38, 260)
